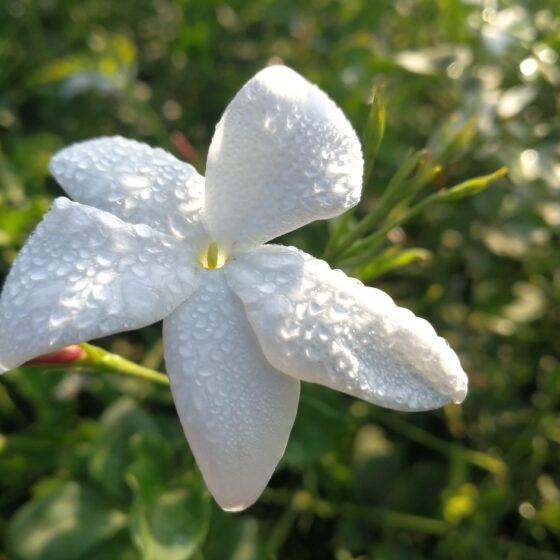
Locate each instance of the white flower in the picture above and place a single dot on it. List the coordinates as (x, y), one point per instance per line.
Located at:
(244, 323)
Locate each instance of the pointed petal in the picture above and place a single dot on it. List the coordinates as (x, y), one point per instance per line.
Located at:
(319, 325)
(137, 183)
(282, 156)
(236, 409)
(84, 274)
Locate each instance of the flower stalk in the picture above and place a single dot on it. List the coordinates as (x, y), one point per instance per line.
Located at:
(352, 245)
(375, 515)
(95, 360)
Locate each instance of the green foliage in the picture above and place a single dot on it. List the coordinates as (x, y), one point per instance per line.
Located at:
(166, 522)
(64, 524)
(374, 131)
(120, 421)
(94, 465)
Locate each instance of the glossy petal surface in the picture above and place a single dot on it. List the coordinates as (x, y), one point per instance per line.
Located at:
(236, 409)
(282, 156)
(84, 274)
(137, 183)
(318, 325)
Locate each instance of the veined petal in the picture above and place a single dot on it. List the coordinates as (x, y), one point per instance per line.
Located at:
(282, 156)
(137, 183)
(319, 325)
(83, 274)
(236, 409)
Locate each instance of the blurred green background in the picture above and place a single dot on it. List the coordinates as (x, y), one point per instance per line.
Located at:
(96, 466)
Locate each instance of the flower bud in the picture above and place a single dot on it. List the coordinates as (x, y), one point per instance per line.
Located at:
(65, 355)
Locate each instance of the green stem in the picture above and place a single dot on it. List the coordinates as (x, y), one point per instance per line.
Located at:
(479, 459)
(467, 188)
(527, 552)
(154, 356)
(390, 197)
(373, 132)
(104, 361)
(373, 239)
(378, 516)
(281, 531)
(97, 360)
(337, 233)
(395, 519)
(13, 443)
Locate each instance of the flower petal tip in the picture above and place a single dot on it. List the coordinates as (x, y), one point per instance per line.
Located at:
(56, 162)
(62, 203)
(461, 389)
(236, 508)
(278, 74)
(234, 502)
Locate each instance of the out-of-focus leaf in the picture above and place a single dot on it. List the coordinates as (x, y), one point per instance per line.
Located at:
(63, 525)
(118, 424)
(390, 259)
(432, 60)
(168, 520)
(105, 70)
(513, 243)
(529, 303)
(118, 547)
(173, 525)
(233, 537)
(317, 425)
(514, 100)
(549, 515)
(396, 550)
(451, 140)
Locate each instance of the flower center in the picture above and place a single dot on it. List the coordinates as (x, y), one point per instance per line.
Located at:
(212, 257)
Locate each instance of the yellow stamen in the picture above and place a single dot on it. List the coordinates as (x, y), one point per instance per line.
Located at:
(212, 257)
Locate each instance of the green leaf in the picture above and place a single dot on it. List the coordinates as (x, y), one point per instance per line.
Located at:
(397, 187)
(63, 525)
(118, 423)
(118, 547)
(452, 139)
(470, 187)
(338, 227)
(391, 259)
(373, 132)
(171, 526)
(151, 465)
(319, 423)
(395, 192)
(168, 519)
(549, 516)
(232, 537)
(465, 189)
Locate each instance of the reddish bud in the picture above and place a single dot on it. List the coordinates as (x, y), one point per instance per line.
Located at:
(184, 147)
(65, 355)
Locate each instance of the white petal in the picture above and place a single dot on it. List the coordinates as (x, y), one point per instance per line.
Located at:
(137, 183)
(84, 274)
(236, 409)
(319, 325)
(282, 156)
